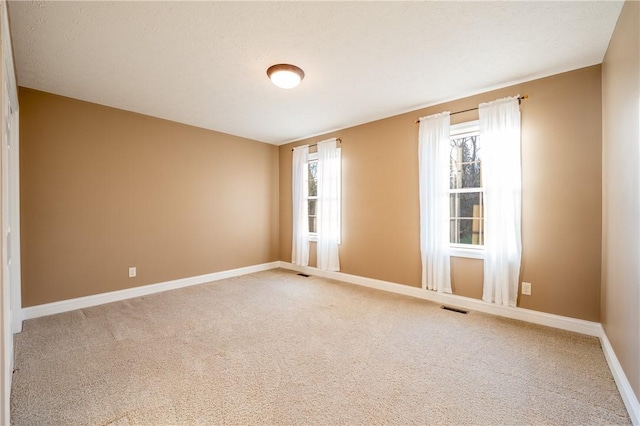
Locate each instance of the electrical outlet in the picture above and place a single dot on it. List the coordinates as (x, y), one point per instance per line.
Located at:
(132, 272)
(526, 289)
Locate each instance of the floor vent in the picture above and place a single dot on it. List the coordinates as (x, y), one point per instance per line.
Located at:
(307, 276)
(449, 308)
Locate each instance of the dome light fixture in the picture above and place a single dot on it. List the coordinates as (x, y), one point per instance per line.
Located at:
(285, 76)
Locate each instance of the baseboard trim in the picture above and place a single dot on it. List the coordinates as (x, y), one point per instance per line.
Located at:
(542, 318)
(626, 391)
(115, 296)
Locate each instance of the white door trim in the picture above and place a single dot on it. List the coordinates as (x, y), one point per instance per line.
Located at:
(14, 223)
(11, 303)
(13, 162)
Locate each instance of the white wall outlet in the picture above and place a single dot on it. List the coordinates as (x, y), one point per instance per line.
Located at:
(132, 272)
(526, 288)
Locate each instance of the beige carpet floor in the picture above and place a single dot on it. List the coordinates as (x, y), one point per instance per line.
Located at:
(277, 348)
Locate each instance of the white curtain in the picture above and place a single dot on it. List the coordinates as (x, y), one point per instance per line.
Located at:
(433, 155)
(300, 185)
(328, 205)
(502, 177)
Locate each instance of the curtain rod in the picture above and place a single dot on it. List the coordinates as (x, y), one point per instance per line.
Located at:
(315, 144)
(520, 99)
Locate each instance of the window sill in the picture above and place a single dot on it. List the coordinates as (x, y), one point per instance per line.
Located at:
(471, 253)
(314, 239)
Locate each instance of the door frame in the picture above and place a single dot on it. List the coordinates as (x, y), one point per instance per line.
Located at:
(13, 162)
(10, 280)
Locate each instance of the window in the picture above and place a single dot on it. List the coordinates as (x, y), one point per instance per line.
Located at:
(313, 194)
(466, 191)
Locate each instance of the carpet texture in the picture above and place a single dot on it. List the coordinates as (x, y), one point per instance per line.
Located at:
(277, 348)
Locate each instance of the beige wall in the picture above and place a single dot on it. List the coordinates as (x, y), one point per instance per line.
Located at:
(621, 192)
(104, 189)
(561, 166)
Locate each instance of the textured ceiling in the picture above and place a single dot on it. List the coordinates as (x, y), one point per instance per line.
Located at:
(204, 63)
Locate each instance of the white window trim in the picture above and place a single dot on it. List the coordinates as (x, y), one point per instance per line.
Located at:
(465, 250)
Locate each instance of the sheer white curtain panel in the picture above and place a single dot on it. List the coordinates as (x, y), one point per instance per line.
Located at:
(502, 177)
(300, 185)
(328, 205)
(433, 156)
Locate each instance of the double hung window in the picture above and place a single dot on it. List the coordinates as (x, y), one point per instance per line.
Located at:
(312, 199)
(466, 191)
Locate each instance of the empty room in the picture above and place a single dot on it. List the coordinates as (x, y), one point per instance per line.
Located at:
(320, 213)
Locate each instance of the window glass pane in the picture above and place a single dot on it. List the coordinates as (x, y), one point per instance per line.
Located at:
(453, 227)
(466, 223)
(465, 162)
(471, 177)
(467, 231)
(313, 204)
(466, 205)
(313, 178)
(453, 167)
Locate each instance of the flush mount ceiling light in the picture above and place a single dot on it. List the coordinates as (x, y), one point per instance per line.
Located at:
(285, 76)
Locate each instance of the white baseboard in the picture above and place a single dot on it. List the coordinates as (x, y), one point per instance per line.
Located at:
(626, 391)
(115, 296)
(557, 321)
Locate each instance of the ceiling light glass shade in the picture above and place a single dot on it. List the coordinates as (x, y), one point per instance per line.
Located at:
(285, 76)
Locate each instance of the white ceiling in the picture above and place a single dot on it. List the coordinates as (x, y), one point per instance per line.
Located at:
(204, 63)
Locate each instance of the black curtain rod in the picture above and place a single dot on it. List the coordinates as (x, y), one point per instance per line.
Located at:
(315, 144)
(520, 99)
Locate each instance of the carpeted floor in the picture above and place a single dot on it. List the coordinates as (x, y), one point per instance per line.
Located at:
(277, 348)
